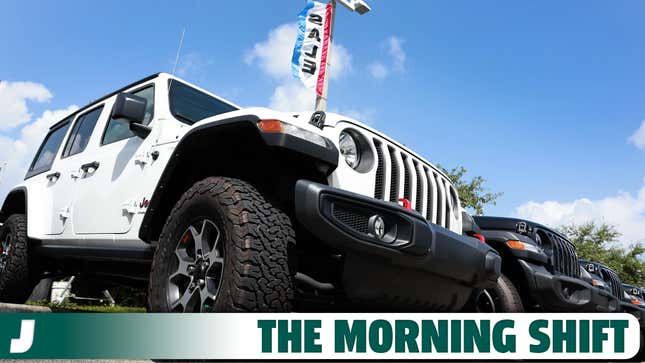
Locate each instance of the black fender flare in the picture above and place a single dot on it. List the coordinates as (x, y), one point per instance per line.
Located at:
(13, 202)
(327, 156)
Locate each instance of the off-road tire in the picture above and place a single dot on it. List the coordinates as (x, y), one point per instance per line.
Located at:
(15, 284)
(507, 296)
(501, 298)
(256, 239)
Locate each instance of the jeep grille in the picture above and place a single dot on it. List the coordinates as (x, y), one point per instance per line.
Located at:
(400, 175)
(565, 257)
(613, 280)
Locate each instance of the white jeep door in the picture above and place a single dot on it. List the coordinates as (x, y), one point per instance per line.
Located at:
(71, 166)
(50, 186)
(110, 193)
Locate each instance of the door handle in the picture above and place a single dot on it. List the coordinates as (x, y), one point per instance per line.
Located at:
(64, 213)
(93, 165)
(53, 176)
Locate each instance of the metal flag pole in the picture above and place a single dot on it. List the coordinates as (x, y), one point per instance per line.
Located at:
(359, 6)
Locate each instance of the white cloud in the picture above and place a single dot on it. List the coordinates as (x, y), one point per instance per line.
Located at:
(624, 210)
(638, 138)
(340, 63)
(13, 102)
(274, 54)
(273, 57)
(290, 96)
(377, 70)
(192, 65)
(20, 151)
(395, 62)
(395, 49)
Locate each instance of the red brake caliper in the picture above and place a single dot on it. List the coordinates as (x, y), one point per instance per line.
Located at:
(185, 238)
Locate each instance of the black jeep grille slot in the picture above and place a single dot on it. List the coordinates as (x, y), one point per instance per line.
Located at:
(379, 187)
(351, 218)
(565, 257)
(432, 198)
(406, 178)
(441, 200)
(614, 282)
(394, 181)
(419, 206)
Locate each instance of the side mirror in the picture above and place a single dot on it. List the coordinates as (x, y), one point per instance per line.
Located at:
(133, 109)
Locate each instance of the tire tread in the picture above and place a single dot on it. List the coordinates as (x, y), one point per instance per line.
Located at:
(14, 281)
(259, 236)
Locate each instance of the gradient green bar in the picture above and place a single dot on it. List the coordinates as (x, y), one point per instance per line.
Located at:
(119, 336)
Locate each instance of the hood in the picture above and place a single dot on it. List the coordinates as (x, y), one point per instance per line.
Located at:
(298, 119)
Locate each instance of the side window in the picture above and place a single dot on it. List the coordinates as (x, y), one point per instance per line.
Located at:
(190, 105)
(81, 132)
(119, 129)
(49, 148)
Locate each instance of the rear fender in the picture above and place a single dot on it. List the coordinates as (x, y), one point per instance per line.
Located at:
(14, 203)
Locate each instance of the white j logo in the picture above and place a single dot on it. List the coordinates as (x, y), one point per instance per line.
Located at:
(26, 339)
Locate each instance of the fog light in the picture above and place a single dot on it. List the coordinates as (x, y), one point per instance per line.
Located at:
(376, 226)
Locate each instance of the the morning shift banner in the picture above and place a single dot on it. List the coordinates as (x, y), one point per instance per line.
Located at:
(319, 336)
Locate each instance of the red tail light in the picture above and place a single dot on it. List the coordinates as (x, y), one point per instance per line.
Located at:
(481, 238)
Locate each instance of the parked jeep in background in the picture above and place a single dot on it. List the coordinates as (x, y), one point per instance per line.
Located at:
(604, 278)
(219, 208)
(540, 270)
(633, 302)
(636, 295)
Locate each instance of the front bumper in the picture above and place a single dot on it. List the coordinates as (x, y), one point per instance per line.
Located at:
(416, 262)
(638, 312)
(564, 293)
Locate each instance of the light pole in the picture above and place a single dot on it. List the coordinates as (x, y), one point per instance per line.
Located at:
(359, 6)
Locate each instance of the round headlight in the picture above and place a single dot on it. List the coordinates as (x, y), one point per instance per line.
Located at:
(350, 149)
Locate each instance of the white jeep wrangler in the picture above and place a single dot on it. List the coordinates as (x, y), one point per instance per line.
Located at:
(219, 208)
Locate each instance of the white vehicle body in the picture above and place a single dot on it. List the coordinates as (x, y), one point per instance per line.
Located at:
(102, 205)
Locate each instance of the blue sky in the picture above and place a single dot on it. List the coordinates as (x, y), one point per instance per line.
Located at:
(540, 98)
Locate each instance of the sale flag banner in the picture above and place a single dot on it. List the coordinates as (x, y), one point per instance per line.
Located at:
(309, 61)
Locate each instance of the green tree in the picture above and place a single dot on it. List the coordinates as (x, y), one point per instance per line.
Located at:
(472, 193)
(599, 242)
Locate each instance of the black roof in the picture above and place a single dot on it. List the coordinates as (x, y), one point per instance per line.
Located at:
(510, 224)
(631, 286)
(600, 265)
(152, 76)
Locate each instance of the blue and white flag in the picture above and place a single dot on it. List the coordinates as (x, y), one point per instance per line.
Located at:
(309, 61)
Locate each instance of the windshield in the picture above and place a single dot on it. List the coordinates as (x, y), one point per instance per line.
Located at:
(190, 105)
